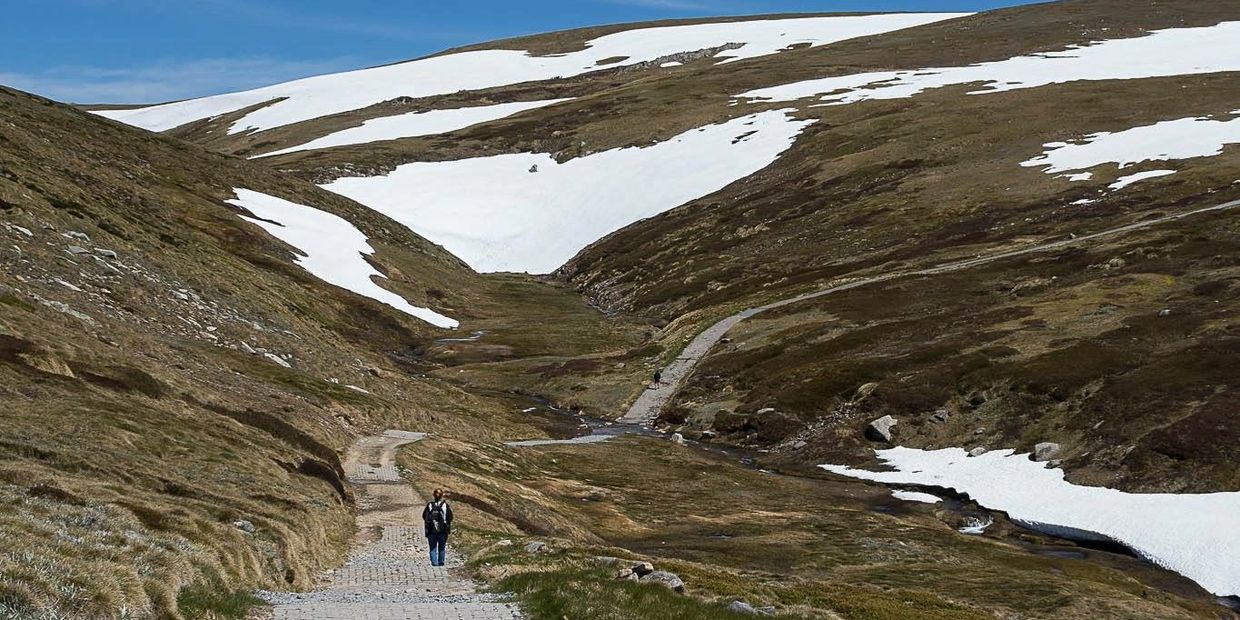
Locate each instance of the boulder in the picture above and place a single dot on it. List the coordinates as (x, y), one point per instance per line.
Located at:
(978, 451)
(643, 568)
(743, 608)
(864, 391)
(244, 526)
(536, 547)
(880, 429)
(678, 439)
(106, 253)
(626, 574)
(664, 578)
(1045, 451)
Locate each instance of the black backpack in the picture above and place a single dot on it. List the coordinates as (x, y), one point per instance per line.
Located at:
(438, 519)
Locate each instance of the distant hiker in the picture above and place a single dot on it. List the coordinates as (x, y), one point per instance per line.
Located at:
(438, 518)
(658, 376)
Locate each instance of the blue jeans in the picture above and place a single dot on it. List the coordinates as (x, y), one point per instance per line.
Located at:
(438, 544)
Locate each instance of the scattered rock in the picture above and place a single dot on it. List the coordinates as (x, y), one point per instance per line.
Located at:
(880, 429)
(244, 526)
(536, 547)
(1045, 451)
(20, 229)
(245, 348)
(978, 451)
(643, 568)
(981, 430)
(741, 607)
(533, 168)
(766, 410)
(80, 236)
(940, 416)
(678, 439)
(78, 250)
(626, 574)
(664, 578)
(1164, 312)
(1053, 463)
(503, 543)
(799, 444)
(277, 359)
(106, 253)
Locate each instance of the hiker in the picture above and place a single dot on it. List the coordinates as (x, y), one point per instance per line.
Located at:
(658, 376)
(438, 518)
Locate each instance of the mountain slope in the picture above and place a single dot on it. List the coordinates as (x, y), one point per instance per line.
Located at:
(673, 187)
(178, 383)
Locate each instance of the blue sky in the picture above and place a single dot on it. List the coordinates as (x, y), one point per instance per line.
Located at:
(139, 51)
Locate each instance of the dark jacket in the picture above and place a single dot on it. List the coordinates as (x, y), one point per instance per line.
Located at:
(447, 517)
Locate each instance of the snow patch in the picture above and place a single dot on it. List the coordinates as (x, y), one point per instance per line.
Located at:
(1196, 535)
(1125, 181)
(314, 97)
(496, 216)
(331, 248)
(916, 496)
(1183, 138)
(1175, 51)
(416, 124)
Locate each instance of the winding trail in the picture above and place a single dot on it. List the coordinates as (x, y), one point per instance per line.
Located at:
(388, 575)
(651, 401)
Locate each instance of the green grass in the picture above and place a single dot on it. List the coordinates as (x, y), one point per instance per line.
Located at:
(213, 604)
(593, 593)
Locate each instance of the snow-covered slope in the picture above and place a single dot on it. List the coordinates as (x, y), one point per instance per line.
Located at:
(526, 212)
(332, 249)
(320, 96)
(1197, 536)
(417, 124)
(1182, 138)
(1175, 51)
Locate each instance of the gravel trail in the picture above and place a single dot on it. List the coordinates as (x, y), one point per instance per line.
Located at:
(388, 575)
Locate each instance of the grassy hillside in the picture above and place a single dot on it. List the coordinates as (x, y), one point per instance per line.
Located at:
(140, 432)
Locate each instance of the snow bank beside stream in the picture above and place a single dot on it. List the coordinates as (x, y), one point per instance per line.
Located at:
(1196, 535)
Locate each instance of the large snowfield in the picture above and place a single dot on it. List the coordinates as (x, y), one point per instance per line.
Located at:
(1196, 535)
(1177, 51)
(331, 249)
(1182, 138)
(416, 124)
(450, 73)
(497, 215)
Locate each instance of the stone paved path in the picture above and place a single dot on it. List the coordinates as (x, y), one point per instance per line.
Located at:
(651, 402)
(388, 575)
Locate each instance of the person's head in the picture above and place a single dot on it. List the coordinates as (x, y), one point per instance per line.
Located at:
(438, 494)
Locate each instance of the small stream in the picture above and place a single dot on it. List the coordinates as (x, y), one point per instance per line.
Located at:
(568, 427)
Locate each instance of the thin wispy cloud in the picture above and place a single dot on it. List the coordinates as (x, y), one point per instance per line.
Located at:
(166, 81)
